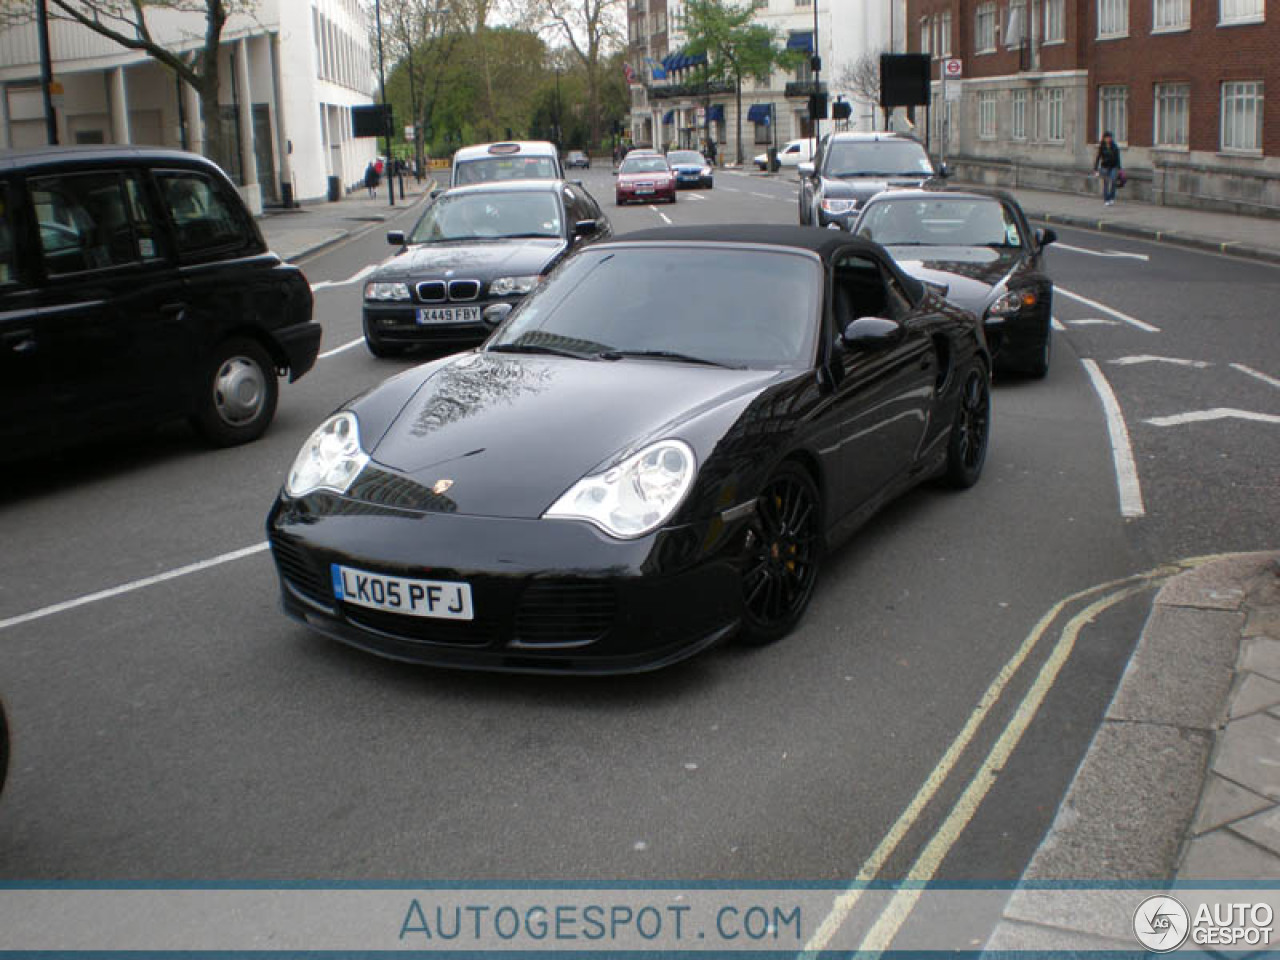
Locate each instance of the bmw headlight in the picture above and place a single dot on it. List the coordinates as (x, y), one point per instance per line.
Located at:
(506, 286)
(380, 290)
(838, 206)
(1010, 303)
(330, 459)
(634, 497)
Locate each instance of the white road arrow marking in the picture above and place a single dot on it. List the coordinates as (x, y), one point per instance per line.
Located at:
(1148, 358)
(1217, 413)
(1094, 322)
(1132, 321)
(1257, 374)
(665, 218)
(324, 284)
(1127, 483)
(1057, 324)
(1100, 253)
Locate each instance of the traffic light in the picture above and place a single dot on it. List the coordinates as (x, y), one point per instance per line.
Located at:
(817, 106)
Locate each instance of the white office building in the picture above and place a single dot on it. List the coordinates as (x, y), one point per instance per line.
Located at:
(289, 75)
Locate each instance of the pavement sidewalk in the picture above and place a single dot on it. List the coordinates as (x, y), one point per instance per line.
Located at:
(1255, 238)
(1180, 783)
(294, 233)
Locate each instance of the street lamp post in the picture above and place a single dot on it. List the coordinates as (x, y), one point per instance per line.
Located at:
(382, 84)
(816, 62)
(46, 72)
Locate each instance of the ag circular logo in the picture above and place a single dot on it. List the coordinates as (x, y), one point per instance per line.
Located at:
(1161, 923)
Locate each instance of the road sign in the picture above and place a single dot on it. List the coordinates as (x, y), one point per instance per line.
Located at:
(951, 89)
(953, 68)
(408, 132)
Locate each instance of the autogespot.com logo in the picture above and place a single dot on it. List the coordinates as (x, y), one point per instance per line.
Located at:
(1161, 923)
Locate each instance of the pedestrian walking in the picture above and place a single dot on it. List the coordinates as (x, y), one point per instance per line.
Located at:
(711, 150)
(371, 179)
(1107, 166)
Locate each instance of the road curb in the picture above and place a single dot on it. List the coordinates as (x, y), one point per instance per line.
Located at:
(1232, 248)
(1129, 811)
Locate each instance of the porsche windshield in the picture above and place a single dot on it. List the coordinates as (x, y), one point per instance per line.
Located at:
(468, 216)
(738, 307)
(940, 221)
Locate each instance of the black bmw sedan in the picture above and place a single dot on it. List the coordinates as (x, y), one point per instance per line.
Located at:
(474, 253)
(653, 452)
(980, 252)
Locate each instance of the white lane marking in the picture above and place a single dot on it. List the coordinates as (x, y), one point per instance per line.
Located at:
(664, 217)
(731, 189)
(132, 586)
(1059, 245)
(1057, 324)
(1258, 374)
(337, 350)
(1094, 322)
(1121, 450)
(766, 196)
(926, 866)
(844, 904)
(356, 278)
(1133, 321)
(1217, 413)
(697, 196)
(1148, 358)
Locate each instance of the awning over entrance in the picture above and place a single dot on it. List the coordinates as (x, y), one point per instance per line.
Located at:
(669, 116)
(801, 41)
(758, 113)
(715, 113)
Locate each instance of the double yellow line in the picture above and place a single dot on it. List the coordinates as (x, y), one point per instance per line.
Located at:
(926, 865)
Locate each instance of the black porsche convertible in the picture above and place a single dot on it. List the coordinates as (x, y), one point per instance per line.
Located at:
(653, 452)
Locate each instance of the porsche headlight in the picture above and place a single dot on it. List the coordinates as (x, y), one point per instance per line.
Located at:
(330, 459)
(506, 286)
(1010, 303)
(838, 206)
(634, 497)
(380, 290)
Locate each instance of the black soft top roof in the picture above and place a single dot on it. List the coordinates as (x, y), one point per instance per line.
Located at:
(95, 153)
(822, 242)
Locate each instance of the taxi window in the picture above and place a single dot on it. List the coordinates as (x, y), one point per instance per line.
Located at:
(8, 249)
(86, 222)
(202, 217)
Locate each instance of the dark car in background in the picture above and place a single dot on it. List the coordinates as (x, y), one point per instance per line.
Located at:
(645, 177)
(474, 253)
(692, 169)
(654, 452)
(136, 288)
(977, 248)
(850, 168)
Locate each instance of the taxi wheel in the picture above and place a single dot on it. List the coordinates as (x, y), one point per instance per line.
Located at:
(238, 393)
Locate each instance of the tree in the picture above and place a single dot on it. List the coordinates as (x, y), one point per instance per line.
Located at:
(421, 36)
(591, 29)
(735, 46)
(862, 79)
(125, 22)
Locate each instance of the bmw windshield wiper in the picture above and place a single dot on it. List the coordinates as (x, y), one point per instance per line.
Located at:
(539, 348)
(664, 355)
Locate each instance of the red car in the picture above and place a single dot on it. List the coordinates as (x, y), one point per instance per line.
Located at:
(645, 177)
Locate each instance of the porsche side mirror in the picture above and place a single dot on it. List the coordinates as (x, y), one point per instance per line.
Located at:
(805, 169)
(395, 238)
(586, 228)
(869, 333)
(496, 313)
(1046, 236)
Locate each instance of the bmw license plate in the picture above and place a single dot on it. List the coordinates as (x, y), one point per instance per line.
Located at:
(427, 315)
(441, 599)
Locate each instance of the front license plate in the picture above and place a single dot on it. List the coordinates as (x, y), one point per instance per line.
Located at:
(448, 315)
(644, 189)
(441, 599)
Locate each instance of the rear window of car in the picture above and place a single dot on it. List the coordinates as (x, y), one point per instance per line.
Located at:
(92, 221)
(203, 218)
(488, 169)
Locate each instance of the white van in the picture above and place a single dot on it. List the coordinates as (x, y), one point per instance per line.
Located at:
(790, 154)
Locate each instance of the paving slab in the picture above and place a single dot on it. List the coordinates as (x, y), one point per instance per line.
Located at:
(1222, 855)
(1249, 754)
(1261, 655)
(1253, 694)
(1264, 830)
(1224, 801)
(1015, 935)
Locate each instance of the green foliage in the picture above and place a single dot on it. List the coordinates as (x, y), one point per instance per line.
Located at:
(736, 46)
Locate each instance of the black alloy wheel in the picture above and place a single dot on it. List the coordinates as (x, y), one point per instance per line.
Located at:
(782, 557)
(238, 395)
(967, 448)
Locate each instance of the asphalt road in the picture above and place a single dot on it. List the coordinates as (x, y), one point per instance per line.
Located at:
(184, 729)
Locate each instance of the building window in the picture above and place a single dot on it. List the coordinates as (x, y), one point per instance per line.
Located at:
(759, 4)
(1054, 22)
(804, 3)
(1113, 112)
(1018, 126)
(1171, 15)
(1240, 11)
(984, 35)
(987, 115)
(1015, 29)
(659, 23)
(1054, 128)
(1173, 110)
(944, 34)
(1113, 18)
(926, 35)
(1242, 116)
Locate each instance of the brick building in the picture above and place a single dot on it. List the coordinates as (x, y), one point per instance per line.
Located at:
(1181, 84)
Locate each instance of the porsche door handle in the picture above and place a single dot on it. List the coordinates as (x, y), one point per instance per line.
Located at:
(20, 341)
